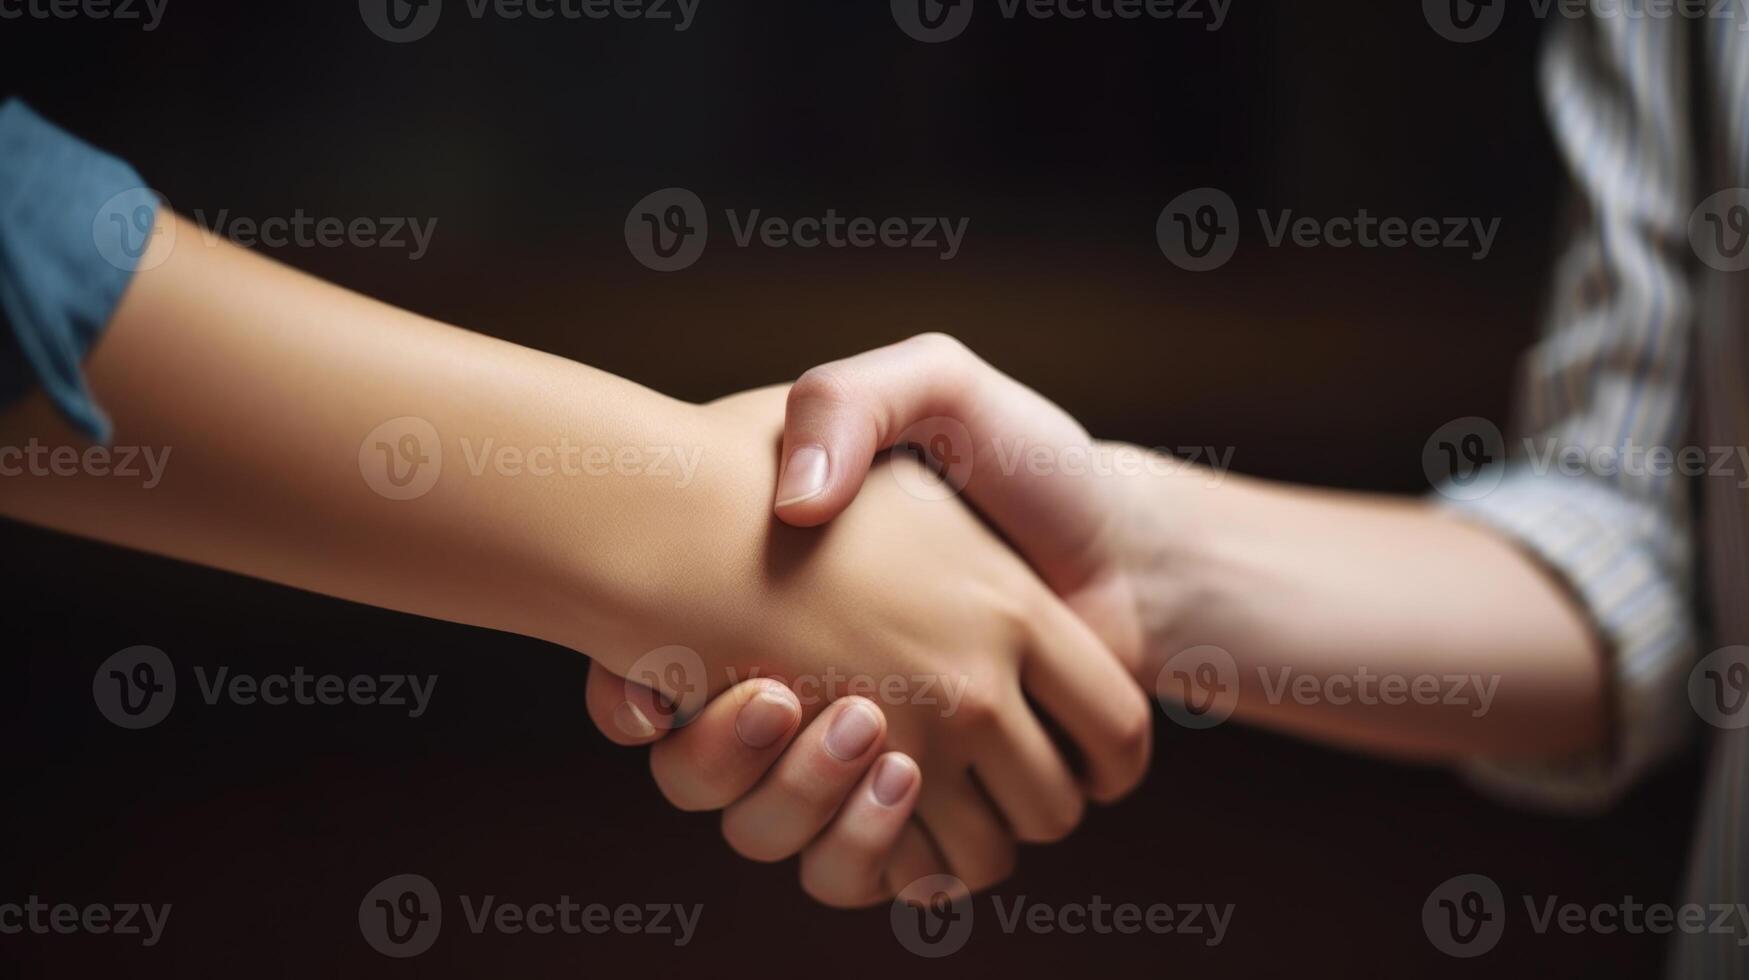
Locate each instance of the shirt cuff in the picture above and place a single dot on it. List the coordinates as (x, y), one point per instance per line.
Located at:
(74, 224)
(1615, 556)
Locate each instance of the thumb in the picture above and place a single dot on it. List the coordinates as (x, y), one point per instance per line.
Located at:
(1022, 462)
(841, 414)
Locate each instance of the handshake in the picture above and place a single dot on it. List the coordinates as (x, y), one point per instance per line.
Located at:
(768, 659)
(895, 668)
(991, 658)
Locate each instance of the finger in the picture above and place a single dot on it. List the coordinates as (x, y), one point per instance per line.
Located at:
(840, 414)
(929, 388)
(845, 866)
(979, 850)
(622, 709)
(1087, 693)
(914, 858)
(728, 747)
(799, 796)
(1029, 781)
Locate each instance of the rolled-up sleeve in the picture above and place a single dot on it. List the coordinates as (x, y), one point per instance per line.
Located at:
(1609, 382)
(73, 226)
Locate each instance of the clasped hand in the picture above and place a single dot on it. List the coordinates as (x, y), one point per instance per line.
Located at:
(901, 620)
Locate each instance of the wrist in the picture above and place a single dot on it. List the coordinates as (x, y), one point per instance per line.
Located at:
(679, 560)
(1170, 515)
(595, 546)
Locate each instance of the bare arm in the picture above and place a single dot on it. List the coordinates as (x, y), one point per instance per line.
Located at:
(1301, 583)
(1160, 558)
(263, 384)
(271, 390)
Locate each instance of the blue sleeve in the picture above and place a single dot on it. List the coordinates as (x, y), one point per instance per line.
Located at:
(73, 227)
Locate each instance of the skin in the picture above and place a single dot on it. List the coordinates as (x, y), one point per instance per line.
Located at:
(268, 385)
(1173, 558)
(1161, 559)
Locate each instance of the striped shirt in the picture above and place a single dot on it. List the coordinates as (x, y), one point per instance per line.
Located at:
(1640, 378)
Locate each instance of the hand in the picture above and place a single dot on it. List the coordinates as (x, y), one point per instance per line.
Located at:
(1160, 557)
(719, 759)
(918, 592)
(1024, 463)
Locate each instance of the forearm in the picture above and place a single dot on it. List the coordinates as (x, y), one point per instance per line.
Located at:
(263, 384)
(1350, 589)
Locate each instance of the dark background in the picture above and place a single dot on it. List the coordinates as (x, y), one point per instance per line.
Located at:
(529, 141)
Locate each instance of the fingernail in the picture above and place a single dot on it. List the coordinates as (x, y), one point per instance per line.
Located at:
(853, 731)
(894, 777)
(804, 477)
(765, 719)
(632, 721)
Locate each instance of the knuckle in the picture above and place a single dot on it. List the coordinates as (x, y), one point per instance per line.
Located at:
(979, 706)
(748, 838)
(993, 870)
(1132, 724)
(825, 383)
(820, 883)
(941, 344)
(684, 785)
(1131, 737)
(949, 351)
(1014, 600)
(1059, 822)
